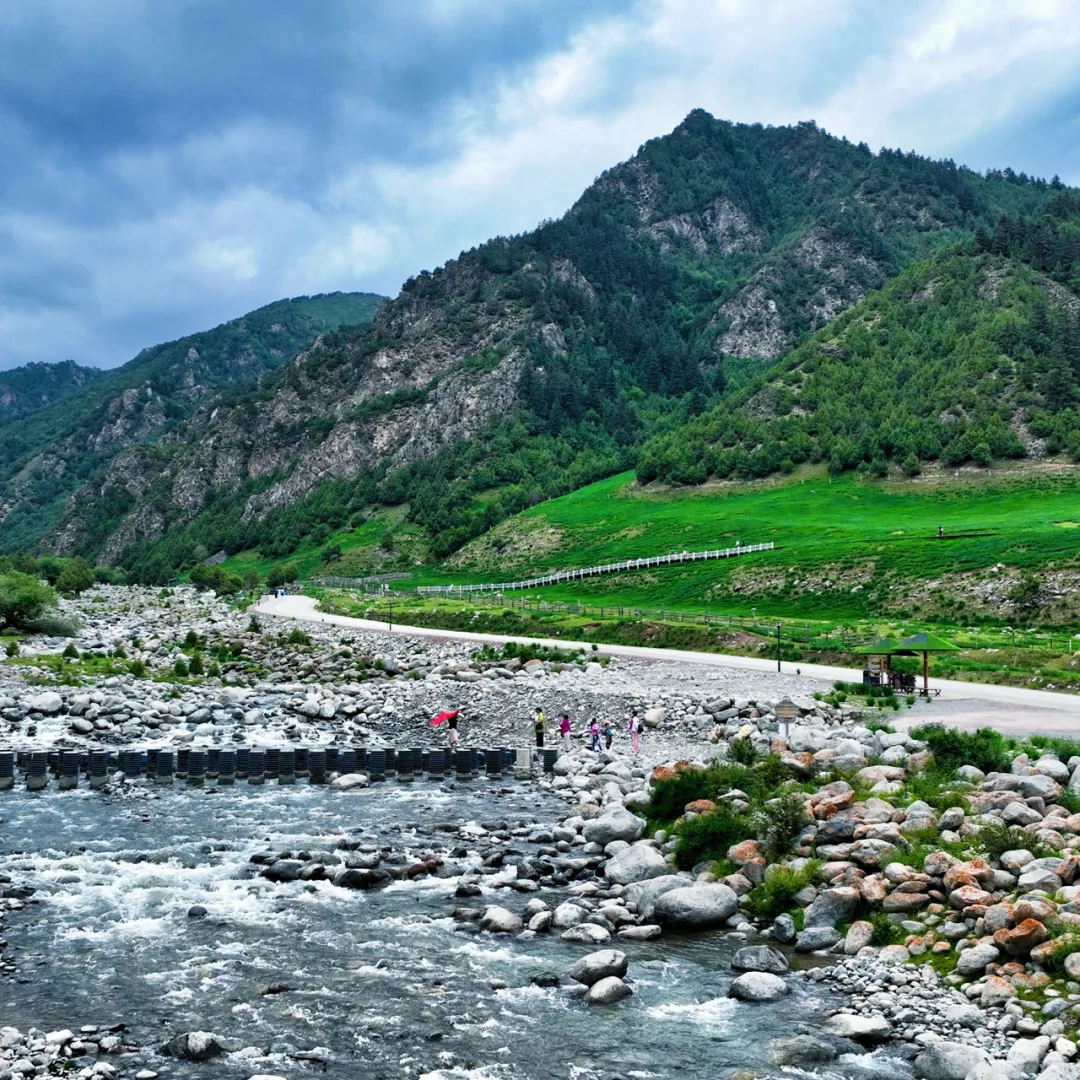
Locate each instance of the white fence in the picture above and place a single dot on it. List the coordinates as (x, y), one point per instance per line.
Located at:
(592, 571)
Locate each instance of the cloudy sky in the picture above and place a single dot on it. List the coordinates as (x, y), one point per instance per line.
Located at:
(169, 164)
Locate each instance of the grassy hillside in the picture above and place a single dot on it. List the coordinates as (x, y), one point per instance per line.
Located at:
(848, 548)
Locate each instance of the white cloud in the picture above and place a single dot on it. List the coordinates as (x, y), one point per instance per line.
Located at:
(204, 242)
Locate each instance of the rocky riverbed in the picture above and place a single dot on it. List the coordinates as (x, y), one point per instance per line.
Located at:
(526, 928)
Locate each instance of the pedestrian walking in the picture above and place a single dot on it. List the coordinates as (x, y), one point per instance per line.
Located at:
(450, 719)
(633, 726)
(594, 735)
(609, 734)
(538, 728)
(564, 730)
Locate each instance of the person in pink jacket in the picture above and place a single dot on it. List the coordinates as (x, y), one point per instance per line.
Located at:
(564, 730)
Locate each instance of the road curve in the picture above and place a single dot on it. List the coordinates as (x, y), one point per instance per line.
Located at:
(1009, 708)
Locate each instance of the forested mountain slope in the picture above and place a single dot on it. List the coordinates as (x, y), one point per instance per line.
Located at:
(969, 357)
(534, 364)
(50, 454)
(33, 386)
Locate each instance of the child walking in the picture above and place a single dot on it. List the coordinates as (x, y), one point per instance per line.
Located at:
(594, 735)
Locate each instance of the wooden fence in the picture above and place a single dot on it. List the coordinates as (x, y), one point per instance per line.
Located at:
(592, 571)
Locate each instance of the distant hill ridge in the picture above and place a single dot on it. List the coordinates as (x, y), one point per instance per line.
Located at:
(33, 386)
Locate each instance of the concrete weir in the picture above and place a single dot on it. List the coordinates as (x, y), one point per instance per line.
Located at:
(200, 766)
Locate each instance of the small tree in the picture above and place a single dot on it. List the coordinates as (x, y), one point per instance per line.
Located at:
(76, 577)
(180, 668)
(196, 665)
(23, 600)
(1026, 595)
(251, 580)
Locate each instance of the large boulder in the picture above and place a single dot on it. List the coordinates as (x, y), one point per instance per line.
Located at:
(195, 1046)
(49, 703)
(644, 894)
(497, 920)
(816, 937)
(697, 907)
(586, 934)
(800, 1050)
(615, 824)
(973, 961)
(861, 1028)
(599, 965)
(639, 862)
(758, 986)
(948, 1061)
(831, 906)
(760, 958)
(607, 991)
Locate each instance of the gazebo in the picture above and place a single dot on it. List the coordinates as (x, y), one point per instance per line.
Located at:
(924, 643)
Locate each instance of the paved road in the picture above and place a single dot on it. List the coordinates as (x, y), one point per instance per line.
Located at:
(1012, 709)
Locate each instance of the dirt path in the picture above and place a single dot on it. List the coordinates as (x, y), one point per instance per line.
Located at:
(1010, 709)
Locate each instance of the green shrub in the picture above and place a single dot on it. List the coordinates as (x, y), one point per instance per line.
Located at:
(70, 652)
(985, 748)
(51, 625)
(772, 772)
(191, 640)
(672, 793)
(254, 626)
(180, 668)
(708, 836)
(886, 932)
(776, 894)
(296, 636)
(877, 724)
(995, 838)
(214, 670)
(196, 665)
(780, 821)
(1060, 948)
(137, 668)
(742, 751)
(12, 648)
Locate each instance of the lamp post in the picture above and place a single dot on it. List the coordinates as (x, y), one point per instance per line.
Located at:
(778, 646)
(786, 711)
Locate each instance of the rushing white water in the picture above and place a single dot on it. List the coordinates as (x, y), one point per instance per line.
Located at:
(381, 985)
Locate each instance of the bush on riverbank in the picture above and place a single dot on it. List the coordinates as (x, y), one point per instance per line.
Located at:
(986, 749)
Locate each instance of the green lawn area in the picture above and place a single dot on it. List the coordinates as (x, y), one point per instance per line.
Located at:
(848, 549)
(879, 539)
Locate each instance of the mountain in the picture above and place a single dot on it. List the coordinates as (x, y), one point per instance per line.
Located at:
(967, 358)
(33, 386)
(529, 365)
(133, 412)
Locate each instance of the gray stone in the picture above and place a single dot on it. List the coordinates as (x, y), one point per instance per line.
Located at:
(607, 991)
(638, 862)
(195, 1046)
(800, 1050)
(831, 906)
(861, 1028)
(973, 961)
(697, 907)
(758, 986)
(599, 965)
(783, 928)
(497, 920)
(616, 824)
(948, 1061)
(817, 937)
(49, 703)
(760, 958)
(586, 934)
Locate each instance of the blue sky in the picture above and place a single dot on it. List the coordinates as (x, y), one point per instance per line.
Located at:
(170, 165)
